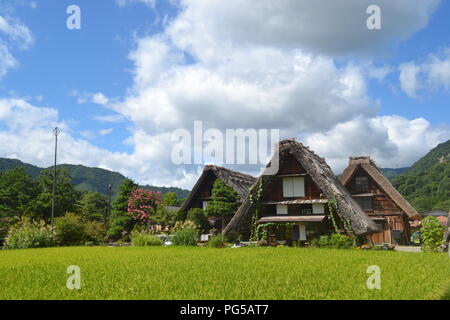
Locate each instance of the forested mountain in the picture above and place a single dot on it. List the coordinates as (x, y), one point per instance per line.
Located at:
(427, 183)
(88, 179)
(392, 173)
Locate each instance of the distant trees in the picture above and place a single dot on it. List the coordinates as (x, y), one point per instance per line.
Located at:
(93, 206)
(17, 192)
(65, 198)
(80, 216)
(427, 184)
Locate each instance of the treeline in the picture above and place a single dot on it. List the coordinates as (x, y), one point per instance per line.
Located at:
(89, 179)
(23, 197)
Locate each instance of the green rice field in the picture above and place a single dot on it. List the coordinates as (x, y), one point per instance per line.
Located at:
(208, 273)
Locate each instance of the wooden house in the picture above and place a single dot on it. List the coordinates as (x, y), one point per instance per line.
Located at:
(200, 194)
(380, 200)
(297, 197)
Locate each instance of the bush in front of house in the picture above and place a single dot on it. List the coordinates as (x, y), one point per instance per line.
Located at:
(70, 229)
(186, 234)
(144, 239)
(432, 233)
(199, 217)
(217, 241)
(95, 232)
(27, 234)
(335, 241)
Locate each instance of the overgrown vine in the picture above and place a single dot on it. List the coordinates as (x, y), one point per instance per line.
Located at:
(255, 202)
(333, 206)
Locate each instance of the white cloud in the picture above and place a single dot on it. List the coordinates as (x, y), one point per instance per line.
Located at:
(12, 34)
(110, 118)
(122, 3)
(7, 61)
(409, 82)
(105, 132)
(16, 32)
(100, 98)
(327, 26)
(431, 74)
(392, 141)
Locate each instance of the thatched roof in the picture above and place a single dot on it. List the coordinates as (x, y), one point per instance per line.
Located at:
(239, 181)
(369, 166)
(323, 177)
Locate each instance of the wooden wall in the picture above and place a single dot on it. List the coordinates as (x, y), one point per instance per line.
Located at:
(381, 203)
(273, 190)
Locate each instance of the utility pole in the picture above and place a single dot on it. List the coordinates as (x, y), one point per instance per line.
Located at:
(56, 132)
(109, 201)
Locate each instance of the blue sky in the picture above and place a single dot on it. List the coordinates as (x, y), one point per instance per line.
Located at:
(157, 66)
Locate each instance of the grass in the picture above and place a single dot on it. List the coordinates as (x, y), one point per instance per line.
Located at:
(208, 273)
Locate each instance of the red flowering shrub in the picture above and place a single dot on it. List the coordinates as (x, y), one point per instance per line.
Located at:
(142, 203)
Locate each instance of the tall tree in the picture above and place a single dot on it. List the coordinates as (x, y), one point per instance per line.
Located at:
(224, 202)
(93, 206)
(17, 191)
(65, 196)
(121, 223)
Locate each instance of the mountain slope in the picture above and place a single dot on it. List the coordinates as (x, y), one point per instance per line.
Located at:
(426, 185)
(391, 173)
(88, 179)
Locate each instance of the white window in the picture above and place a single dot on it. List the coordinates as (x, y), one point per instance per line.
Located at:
(282, 209)
(318, 208)
(293, 187)
(204, 204)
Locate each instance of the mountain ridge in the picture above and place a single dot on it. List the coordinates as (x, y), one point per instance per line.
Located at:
(88, 178)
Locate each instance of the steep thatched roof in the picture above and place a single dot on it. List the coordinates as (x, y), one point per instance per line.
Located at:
(240, 182)
(323, 177)
(369, 166)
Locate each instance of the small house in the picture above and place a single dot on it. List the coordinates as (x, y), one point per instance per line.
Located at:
(200, 194)
(296, 199)
(380, 200)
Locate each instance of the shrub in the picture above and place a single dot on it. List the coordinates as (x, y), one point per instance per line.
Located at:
(27, 234)
(70, 229)
(144, 238)
(218, 241)
(432, 234)
(232, 237)
(181, 215)
(336, 241)
(186, 234)
(95, 232)
(198, 216)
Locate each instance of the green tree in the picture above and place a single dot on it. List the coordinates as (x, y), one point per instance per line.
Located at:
(224, 202)
(65, 194)
(17, 191)
(199, 217)
(170, 199)
(432, 233)
(70, 229)
(121, 223)
(165, 217)
(93, 206)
